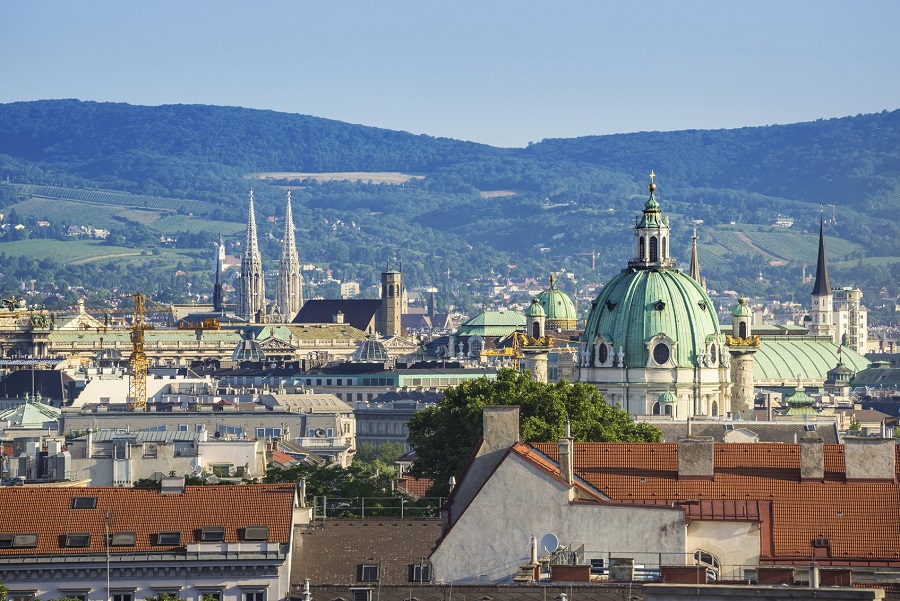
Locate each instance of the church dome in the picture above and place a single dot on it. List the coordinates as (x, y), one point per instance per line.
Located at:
(558, 308)
(248, 350)
(370, 350)
(658, 313)
(535, 309)
(741, 309)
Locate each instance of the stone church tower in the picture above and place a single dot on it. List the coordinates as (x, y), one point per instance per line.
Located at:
(289, 285)
(387, 320)
(252, 289)
(822, 313)
(218, 288)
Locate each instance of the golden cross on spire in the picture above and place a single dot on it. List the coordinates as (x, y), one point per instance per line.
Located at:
(652, 175)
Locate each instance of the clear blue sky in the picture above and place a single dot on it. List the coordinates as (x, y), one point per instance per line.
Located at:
(499, 72)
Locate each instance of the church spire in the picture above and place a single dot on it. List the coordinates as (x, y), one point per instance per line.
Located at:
(822, 314)
(289, 285)
(821, 287)
(695, 260)
(218, 291)
(252, 297)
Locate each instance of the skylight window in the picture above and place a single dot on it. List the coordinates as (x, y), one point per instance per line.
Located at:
(212, 534)
(169, 537)
(84, 503)
(260, 533)
(123, 539)
(78, 539)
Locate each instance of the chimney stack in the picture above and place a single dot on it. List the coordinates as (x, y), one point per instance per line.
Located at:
(812, 457)
(870, 458)
(500, 426)
(695, 458)
(567, 459)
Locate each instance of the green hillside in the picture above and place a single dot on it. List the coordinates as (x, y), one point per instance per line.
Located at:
(175, 176)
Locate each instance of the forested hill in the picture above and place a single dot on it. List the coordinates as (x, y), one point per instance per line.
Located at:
(462, 211)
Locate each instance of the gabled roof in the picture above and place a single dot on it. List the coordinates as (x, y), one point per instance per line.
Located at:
(48, 513)
(358, 312)
(860, 519)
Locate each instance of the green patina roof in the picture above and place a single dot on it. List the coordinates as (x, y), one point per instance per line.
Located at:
(493, 323)
(782, 358)
(535, 309)
(556, 304)
(799, 403)
(876, 377)
(668, 397)
(30, 415)
(625, 313)
(741, 309)
(652, 215)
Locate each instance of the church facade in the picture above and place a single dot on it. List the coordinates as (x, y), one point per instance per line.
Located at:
(652, 342)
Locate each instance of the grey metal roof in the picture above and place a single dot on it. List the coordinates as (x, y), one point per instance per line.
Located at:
(766, 431)
(142, 436)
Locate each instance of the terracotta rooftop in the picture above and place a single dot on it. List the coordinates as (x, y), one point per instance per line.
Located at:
(414, 487)
(49, 513)
(755, 482)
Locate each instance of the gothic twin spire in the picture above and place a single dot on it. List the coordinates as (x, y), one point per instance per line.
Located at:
(288, 285)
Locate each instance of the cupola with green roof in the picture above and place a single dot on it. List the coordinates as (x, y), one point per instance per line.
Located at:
(653, 329)
(558, 308)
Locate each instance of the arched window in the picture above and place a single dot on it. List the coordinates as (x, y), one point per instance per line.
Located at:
(476, 345)
(714, 409)
(654, 249)
(664, 244)
(656, 410)
(536, 329)
(710, 562)
(668, 409)
(641, 249)
(742, 329)
(390, 290)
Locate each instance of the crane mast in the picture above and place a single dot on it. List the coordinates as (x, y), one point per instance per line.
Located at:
(137, 362)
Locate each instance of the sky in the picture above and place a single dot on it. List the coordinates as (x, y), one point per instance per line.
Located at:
(500, 72)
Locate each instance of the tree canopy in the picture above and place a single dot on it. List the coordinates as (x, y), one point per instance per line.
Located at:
(445, 436)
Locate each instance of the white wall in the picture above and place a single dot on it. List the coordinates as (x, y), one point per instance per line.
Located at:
(735, 544)
(493, 535)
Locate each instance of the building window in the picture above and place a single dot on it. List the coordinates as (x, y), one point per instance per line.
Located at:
(212, 534)
(78, 539)
(598, 567)
(255, 596)
(129, 596)
(20, 596)
(742, 329)
(714, 410)
(256, 533)
(656, 409)
(661, 353)
(123, 539)
(420, 572)
(641, 249)
(602, 354)
(654, 249)
(168, 538)
(84, 503)
(182, 427)
(368, 572)
(361, 594)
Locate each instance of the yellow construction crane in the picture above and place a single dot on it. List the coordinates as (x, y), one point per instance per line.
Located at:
(137, 362)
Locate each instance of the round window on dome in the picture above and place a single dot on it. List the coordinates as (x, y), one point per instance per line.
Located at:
(603, 354)
(661, 353)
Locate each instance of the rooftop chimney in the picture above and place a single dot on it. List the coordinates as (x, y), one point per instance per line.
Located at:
(812, 457)
(870, 458)
(501, 427)
(567, 459)
(695, 458)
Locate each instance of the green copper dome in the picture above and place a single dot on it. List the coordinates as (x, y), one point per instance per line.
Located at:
(668, 397)
(741, 309)
(558, 308)
(642, 309)
(535, 309)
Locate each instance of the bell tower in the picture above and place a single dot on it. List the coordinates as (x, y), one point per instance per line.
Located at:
(387, 321)
(822, 313)
(651, 236)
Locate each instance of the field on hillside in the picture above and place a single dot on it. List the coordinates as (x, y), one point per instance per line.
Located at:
(72, 212)
(183, 223)
(85, 251)
(372, 177)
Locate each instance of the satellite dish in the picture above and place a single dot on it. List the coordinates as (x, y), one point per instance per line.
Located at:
(549, 543)
(193, 463)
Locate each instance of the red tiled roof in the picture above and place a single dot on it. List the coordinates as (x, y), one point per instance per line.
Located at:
(281, 458)
(48, 512)
(756, 482)
(414, 487)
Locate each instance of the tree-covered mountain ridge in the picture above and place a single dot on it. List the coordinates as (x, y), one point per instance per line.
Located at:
(564, 199)
(850, 160)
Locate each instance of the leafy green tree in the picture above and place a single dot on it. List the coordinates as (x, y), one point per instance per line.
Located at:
(855, 428)
(164, 597)
(445, 436)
